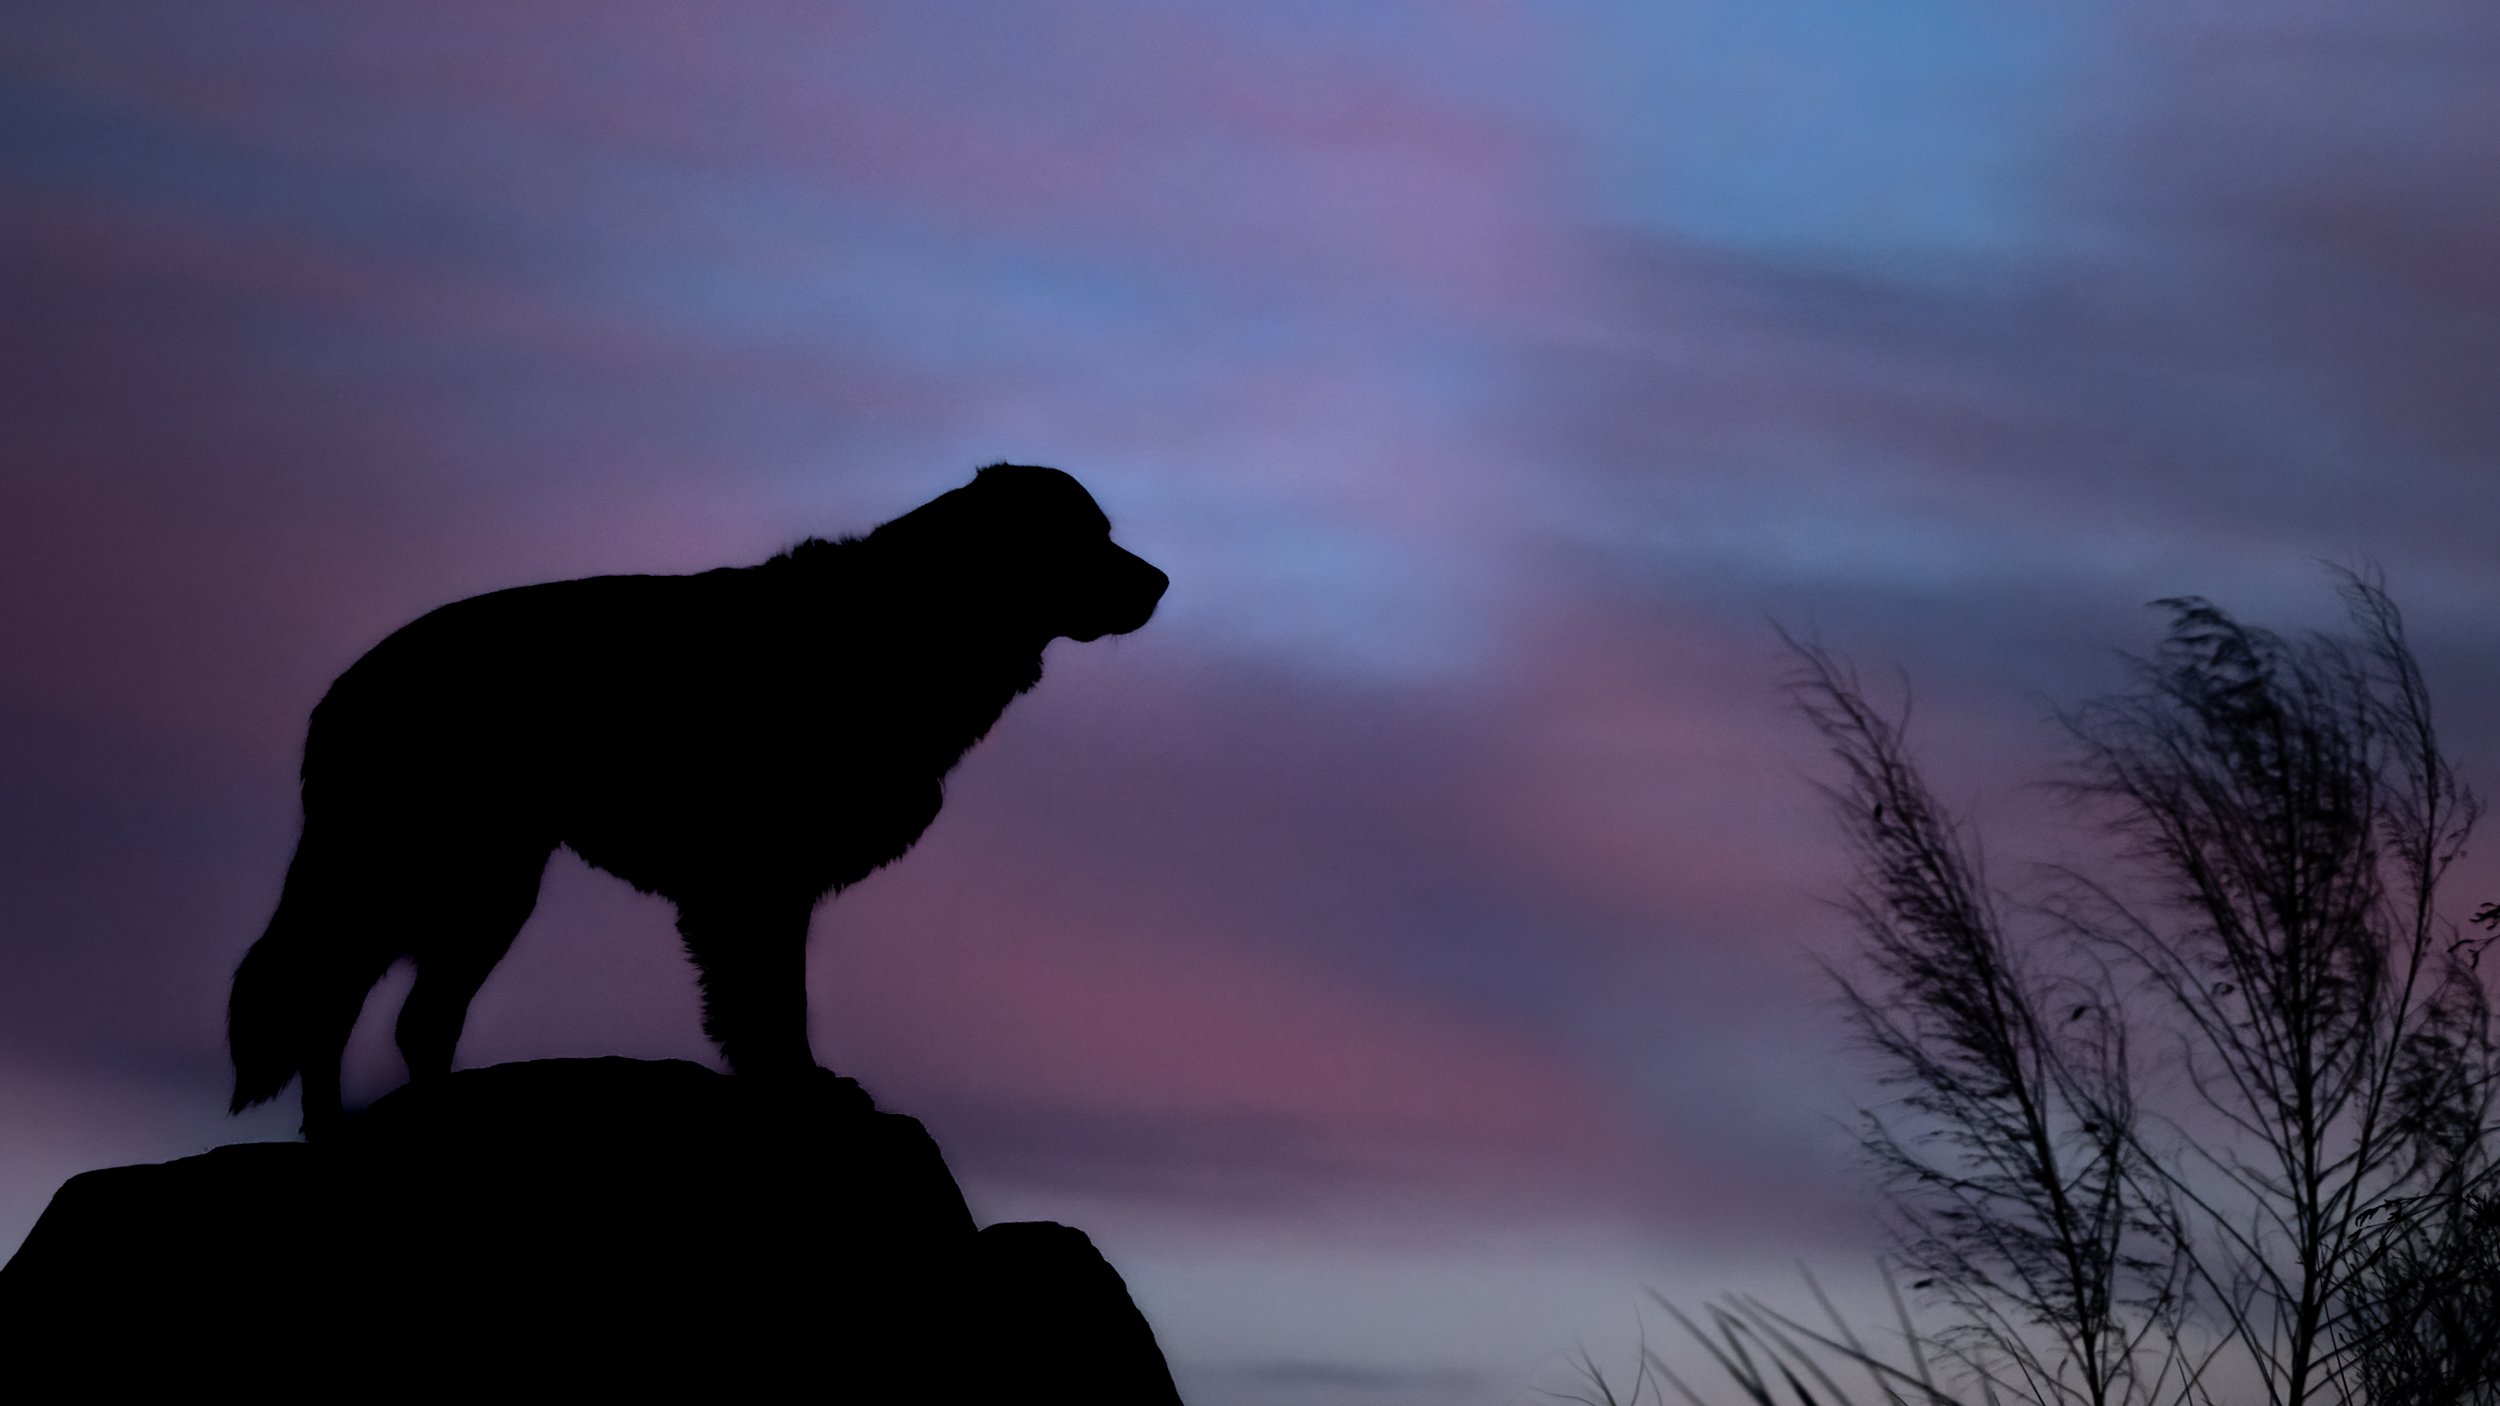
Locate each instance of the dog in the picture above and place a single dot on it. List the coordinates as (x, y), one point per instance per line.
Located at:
(743, 742)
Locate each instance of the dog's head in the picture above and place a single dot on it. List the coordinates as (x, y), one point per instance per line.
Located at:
(1028, 545)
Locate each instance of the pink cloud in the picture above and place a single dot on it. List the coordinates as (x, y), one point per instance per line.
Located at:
(982, 970)
(1654, 777)
(1204, 144)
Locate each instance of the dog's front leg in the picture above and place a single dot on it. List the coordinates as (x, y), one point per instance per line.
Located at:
(750, 952)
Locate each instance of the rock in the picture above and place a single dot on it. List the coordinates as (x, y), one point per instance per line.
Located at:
(1062, 1311)
(572, 1226)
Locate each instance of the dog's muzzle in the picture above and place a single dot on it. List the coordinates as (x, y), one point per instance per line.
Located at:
(1127, 592)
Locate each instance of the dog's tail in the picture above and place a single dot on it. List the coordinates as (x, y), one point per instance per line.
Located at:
(264, 1014)
(280, 989)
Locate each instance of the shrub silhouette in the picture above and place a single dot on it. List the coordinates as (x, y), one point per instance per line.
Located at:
(2221, 1121)
(2209, 1124)
(743, 742)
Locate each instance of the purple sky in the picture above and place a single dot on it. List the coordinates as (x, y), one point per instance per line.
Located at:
(1404, 948)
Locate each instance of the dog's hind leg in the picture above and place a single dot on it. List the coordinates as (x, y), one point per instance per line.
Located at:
(751, 955)
(479, 907)
(326, 1031)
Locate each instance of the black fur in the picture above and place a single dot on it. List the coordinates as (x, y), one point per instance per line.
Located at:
(743, 742)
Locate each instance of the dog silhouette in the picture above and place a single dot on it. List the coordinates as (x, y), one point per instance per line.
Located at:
(743, 742)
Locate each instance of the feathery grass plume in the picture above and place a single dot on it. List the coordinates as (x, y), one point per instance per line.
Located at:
(2286, 807)
(2011, 1156)
(2214, 1121)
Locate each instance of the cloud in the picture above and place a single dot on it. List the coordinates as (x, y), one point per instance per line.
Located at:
(2248, 328)
(1486, 381)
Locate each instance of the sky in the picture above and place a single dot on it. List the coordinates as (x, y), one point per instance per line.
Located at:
(1410, 945)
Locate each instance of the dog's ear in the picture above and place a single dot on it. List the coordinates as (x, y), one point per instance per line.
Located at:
(1041, 497)
(950, 515)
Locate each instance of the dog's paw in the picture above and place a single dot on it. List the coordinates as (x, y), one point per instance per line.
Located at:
(842, 1092)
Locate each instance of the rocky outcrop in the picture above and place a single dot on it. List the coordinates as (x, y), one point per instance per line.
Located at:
(572, 1226)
